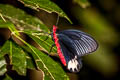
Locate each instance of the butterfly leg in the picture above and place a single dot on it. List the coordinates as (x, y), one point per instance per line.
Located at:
(51, 48)
(47, 37)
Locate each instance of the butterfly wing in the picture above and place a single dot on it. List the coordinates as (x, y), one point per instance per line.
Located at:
(73, 62)
(74, 44)
(81, 42)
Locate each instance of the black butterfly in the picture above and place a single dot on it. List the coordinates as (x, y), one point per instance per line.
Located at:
(71, 45)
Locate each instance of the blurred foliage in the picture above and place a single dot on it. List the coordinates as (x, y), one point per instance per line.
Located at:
(7, 78)
(82, 3)
(105, 34)
(103, 60)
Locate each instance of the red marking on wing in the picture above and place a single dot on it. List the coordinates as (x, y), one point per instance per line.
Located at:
(58, 46)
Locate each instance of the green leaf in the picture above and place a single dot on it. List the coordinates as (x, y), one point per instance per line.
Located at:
(30, 62)
(40, 38)
(25, 22)
(8, 25)
(43, 62)
(3, 64)
(5, 49)
(16, 55)
(29, 25)
(21, 19)
(7, 78)
(46, 5)
(82, 3)
(18, 59)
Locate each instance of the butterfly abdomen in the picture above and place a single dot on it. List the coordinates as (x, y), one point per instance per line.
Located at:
(58, 46)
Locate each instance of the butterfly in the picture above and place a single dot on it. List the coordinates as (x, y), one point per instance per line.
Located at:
(72, 45)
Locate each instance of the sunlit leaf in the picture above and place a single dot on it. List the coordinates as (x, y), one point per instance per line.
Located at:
(43, 40)
(30, 57)
(16, 55)
(9, 25)
(30, 62)
(21, 19)
(46, 5)
(3, 64)
(44, 62)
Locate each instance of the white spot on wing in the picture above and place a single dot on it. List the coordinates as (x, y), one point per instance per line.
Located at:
(73, 65)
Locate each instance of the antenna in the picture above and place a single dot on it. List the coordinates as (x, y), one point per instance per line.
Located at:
(57, 20)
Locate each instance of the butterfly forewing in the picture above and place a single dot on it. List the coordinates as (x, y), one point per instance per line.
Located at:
(82, 42)
(67, 42)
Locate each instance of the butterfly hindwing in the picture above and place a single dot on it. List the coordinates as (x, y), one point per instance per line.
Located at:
(73, 62)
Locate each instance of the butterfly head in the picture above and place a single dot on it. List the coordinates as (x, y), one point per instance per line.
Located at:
(54, 28)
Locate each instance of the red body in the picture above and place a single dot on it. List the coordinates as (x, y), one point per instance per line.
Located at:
(58, 46)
